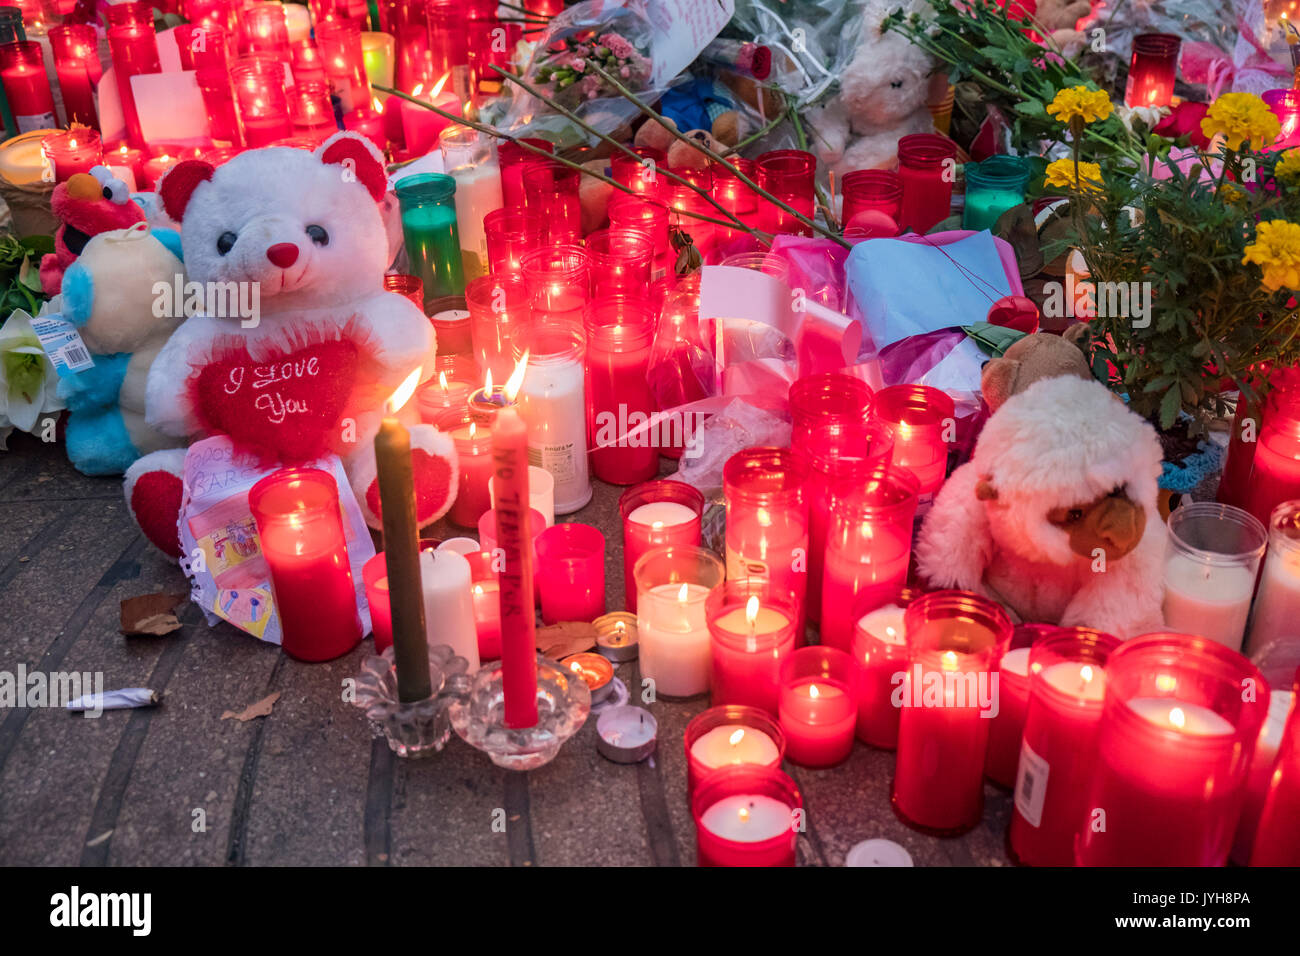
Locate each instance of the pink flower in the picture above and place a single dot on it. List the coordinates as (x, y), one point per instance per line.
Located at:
(617, 45)
(625, 72)
(1049, 57)
(579, 64)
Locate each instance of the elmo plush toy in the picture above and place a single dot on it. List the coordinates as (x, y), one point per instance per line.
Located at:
(87, 204)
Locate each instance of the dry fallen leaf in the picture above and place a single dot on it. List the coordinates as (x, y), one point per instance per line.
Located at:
(261, 709)
(150, 614)
(567, 637)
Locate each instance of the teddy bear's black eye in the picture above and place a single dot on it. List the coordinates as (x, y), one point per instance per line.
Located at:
(318, 235)
(897, 84)
(226, 242)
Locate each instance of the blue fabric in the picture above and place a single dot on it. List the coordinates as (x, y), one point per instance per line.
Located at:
(169, 238)
(1194, 469)
(96, 387)
(78, 294)
(693, 105)
(98, 442)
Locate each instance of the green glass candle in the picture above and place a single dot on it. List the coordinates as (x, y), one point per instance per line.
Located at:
(993, 187)
(428, 202)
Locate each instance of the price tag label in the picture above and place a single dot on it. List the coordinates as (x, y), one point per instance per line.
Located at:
(62, 343)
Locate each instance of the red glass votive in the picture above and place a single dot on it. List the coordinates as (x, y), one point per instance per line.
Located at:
(1275, 469)
(728, 736)
(310, 111)
(868, 548)
(219, 102)
(649, 217)
(447, 36)
(134, 49)
(952, 639)
(571, 572)
(511, 232)
(826, 397)
(76, 63)
(926, 167)
(511, 158)
(261, 105)
(446, 396)
(487, 535)
(767, 520)
(1173, 750)
(406, 285)
(499, 306)
(339, 42)
(871, 190)
(1152, 70)
(751, 633)
(486, 590)
(72, 151)
(300, 533)
(620, 262)
(1277, 838)
(879, 652)
(551, 190)
(557, 278)
(620, 331)
(747, 816)
(817, 709)
(687, 206)
(790, 176)
(212, 13)
(922, 421)
(1006, 728)
(129, 160)
(656, 514)
(132, 11)
(26, 87)
(202, 48)
(640, 172)
(451, 325)
(474, 468)
(308, 65)
(262, 28)
(1058, 756)
(374, 573)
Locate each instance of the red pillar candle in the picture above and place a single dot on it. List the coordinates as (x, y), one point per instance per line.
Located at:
(621, 261)
(1152, 70)
(641, 172)
(728, 736)
(499, 307)
(927, 169)
(511, 159)
(1277, 840)
(620, 331)
(73, 151)
(1173, 749)
(952, 637)
(261, 104)
(656, 514)
(134, 49)
(923, 421)
(510, 233)
(345, 63)
(1067, 674)
(1003, 754)
(871, 190)
(76, 63)
(571, 572)
(868, 547)
(767, 520)
(750, 637)
(300, 533)
(486, 590)
(747, 816)
(22, 71)
(514, 538)
(879, 652)
(558, 279)
(790, 176)
(818, 711)
(552, 192)
(374, 574)
(474, 460)
(421, 127)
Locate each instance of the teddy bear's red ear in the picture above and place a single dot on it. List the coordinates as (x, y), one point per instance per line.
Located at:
(358, 158)
(179, 183)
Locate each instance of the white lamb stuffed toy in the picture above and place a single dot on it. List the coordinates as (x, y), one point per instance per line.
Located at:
(1055, 514)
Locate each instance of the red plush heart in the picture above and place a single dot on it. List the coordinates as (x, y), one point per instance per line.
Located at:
(285, 408)
(156, 504)
(432, 481)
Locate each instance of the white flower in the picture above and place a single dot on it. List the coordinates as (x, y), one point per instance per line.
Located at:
(28, 382)
(1148, 116)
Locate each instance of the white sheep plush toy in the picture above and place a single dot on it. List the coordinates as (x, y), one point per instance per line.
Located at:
(301, 233)
(1055, 514)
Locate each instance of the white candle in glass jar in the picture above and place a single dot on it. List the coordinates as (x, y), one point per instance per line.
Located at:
(673, 634)
(747, 818)
(448, 603)
(1211, 600)
(553, 402)
(541, 493)
(732, 744)
(1277, 608)
(1190, 719)
(478, 192)
(661, 514)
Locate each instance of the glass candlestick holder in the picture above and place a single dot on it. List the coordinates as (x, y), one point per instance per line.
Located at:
(422, 727)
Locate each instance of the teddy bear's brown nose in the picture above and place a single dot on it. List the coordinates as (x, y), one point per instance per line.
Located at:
(283, 254)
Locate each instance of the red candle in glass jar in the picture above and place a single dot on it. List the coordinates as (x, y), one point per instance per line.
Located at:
(203, 48)
(789, 175)
(76, 63)
(922, 421)
(447, 37)
(1152, 70)
(868, 548)
(818, 711)
(649, 217)
(134, 49)
(620, 331)
(510, 233)
(746, 816)
(571, 572)
(511, 159)
(263, 29)
(731, 735)
(952, 637)
(640, 172)
(261, 104)
(1067, 673)
(485, 590)
(374, 574)
(1277, 839)
(730, 192)
(444, 401)
(1173, 748)
(1275, 468)
(310, 112)
(499, 306)
(551, 190)
(621, 261)
(1005, 730)
(656, 514)
(300, 533)
(687, 205)
(871, 190)
(750, 636)
(558, 280)
(219, 103)
(127, 159)
(474, 469)
(73, 151)
(421, 127)
(927, 169)
(879, 653)
(132, 11)
(826, 397)
(408, 286)
(487, 531)
(155, 167)
(339, 42)
(22, 71)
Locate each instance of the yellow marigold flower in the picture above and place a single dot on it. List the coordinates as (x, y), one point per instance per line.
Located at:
(1241, 118)
(1276, 250)
(1082, 103)
(1288, 167)
(1060, 174)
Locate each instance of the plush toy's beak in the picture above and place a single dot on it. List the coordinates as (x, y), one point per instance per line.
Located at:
(84, 186)
(1117, 525)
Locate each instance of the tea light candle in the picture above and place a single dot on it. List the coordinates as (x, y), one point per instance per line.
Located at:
(596, 672)
(880, 651)
(817, 710)
(746, 816)
(449, 604)
(751, 638)
(626, 733)
(656, 514)
(616, 636)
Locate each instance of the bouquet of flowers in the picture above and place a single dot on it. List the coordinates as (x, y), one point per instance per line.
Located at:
(563, 68)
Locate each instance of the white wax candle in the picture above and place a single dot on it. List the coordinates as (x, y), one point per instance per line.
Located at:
(1016, 661)
(553, 402)
(1191, 719)
(541, 493)
(478, 192)
(1078, 679)
(767, 620)
(673, 633)
(885, 624)
(460, 546)
(1212, 600)
(1277, 609)
(661, 514)
(747, 818)
(448, 603)
(733, 744)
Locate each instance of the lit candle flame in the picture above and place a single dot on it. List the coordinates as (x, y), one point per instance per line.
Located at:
(1085, 673)
(1177, 717)
(737, 737)
(473, 427)
(378, 106)
(744, 814)
(890, 634)
(442, 381)
(403, 393)
(683, 594)
(656, 525)
(949, 660)
(478, 589)
(437, 87)
(813, 692)
(487, 383)
(1165, 683)
(516, 378)
(419, 87)
(764, 519)
(751, 611)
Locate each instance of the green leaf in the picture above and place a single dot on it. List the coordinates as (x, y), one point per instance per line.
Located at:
(992, 339)
(1170, 406)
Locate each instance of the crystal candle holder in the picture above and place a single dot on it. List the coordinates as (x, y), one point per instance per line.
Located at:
(673, 587)
(620, 331)
(552, 192)
(1152, 70)
(558, 278)
(747, 816)
(511, 233)
(1173, 749)
(817, 709)
(1058, 747)
(1213, 558)
(571, 572)
(511, 159)
(922, 421)
(500, 306)
(952, 640)
(1005, 729)
(992, 187)
(656, 514)
(751, 633)
(789, 175)
(728, 736)
(423, 727)
(925, 169)
(553, 403)
(879, 652)
(429, 229)
(871, 190)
